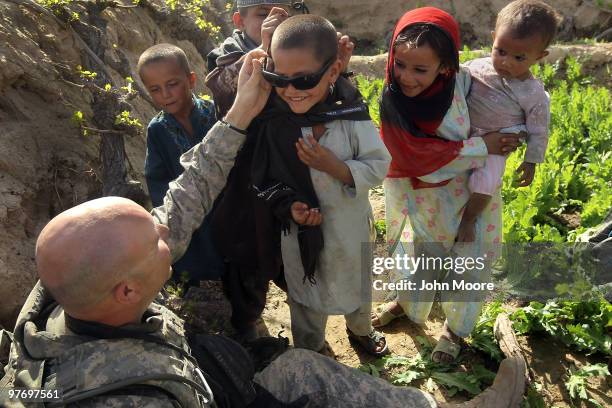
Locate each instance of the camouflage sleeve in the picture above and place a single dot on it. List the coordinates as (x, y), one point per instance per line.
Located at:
(191, 196)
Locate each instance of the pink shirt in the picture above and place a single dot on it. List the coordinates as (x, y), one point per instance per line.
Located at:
(496, 103)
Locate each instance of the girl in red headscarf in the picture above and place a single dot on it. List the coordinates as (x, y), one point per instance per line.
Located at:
(425, 126)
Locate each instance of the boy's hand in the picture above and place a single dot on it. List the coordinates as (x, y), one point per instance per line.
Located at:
(466, 231)
(304, 216)
(276, 16)
(253, 91)
(526, 172)
(312, 154)
(345, 50)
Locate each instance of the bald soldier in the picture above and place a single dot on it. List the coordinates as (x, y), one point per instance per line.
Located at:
(100, 265)
(113, 261)
(90, 329)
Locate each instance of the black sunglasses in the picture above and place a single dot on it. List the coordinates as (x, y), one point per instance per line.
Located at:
(301, 82)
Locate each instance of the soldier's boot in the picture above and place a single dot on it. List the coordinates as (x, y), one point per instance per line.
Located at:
(509, 385)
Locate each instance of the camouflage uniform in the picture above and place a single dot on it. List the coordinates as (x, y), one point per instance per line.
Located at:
(191, 196)
(48, 353)
(328, 384)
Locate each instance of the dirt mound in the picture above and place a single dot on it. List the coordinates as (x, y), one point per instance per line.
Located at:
(46, 164)
(370, 22)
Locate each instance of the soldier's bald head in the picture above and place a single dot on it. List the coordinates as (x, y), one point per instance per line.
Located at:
(84, 252)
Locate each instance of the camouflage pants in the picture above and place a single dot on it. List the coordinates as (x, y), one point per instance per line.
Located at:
(329, 384)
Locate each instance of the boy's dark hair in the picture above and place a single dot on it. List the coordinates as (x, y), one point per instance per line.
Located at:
(163, 52)
(417, 35)
(525, 18)
(308, 31)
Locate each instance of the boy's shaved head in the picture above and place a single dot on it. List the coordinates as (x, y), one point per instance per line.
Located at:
(309, 32)
(163, 52)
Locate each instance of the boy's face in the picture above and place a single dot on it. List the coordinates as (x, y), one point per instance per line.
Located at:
(169, 86)
(251, 22)
(512, 57)
(296, 62)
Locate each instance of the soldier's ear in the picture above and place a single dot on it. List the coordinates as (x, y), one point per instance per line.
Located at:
(127, 292)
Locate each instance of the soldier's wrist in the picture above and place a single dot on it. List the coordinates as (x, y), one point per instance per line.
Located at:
(236, 121)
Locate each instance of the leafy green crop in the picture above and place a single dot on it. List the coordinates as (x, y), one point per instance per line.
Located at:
(405, 370)
(576, 176)
(576, 384)
(583, 325)
(371, 89)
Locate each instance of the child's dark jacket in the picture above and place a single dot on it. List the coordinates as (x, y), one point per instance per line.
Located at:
(224, 63)
(166, 142)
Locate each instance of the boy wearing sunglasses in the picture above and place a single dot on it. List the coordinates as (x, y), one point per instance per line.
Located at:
(241, 225)
(317, 155)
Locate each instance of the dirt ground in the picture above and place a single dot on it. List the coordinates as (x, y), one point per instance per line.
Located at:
(206, 309)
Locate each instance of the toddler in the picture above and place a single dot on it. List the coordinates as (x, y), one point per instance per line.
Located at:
(506, 97)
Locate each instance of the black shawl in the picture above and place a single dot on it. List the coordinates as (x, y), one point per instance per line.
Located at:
(279, 177)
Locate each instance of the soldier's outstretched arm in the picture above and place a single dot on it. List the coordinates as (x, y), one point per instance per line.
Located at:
(207, 165)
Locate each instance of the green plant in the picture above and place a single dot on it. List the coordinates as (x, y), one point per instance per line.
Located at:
(124, 118)
(582, 325)
(533, 397)
(86, 75)
(129, 87)
(466, 54)
(371, 89)
(577, 171)
(482, 337)
(381, 229)
(196, 9)
(405, 370)
(576, 383)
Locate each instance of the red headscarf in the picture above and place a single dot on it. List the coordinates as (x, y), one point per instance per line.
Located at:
(415, 156)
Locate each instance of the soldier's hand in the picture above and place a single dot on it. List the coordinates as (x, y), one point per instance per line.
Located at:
(253, 91)
(276, 16)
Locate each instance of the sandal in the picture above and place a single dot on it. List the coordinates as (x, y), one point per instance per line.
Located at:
(370, 342)
(447, 347)
(384, 315)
